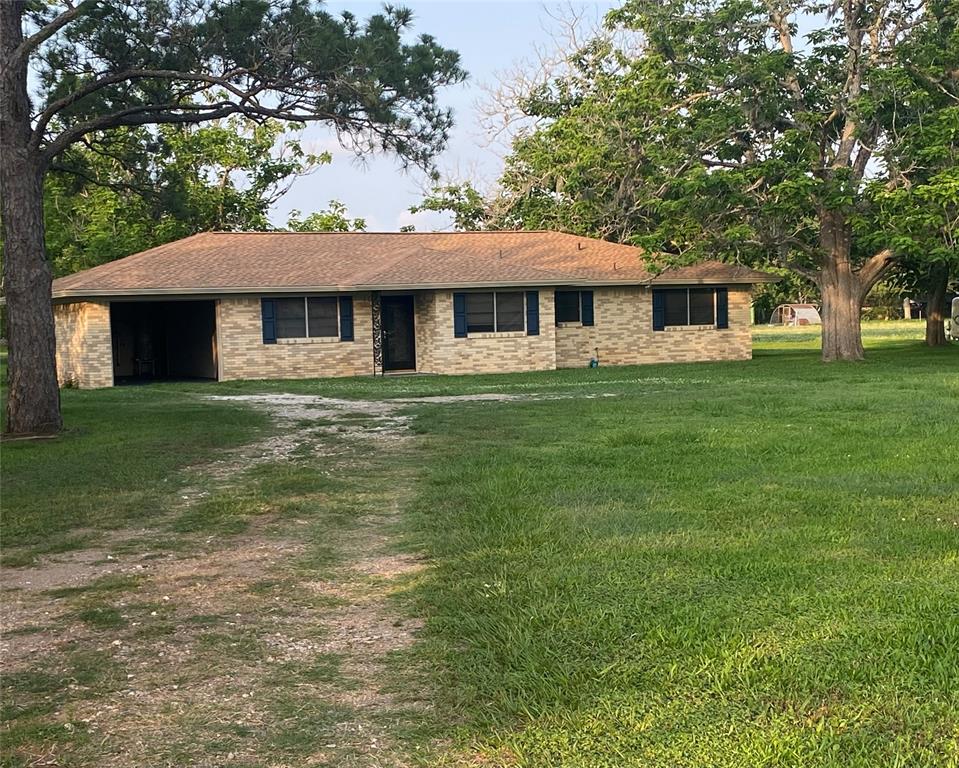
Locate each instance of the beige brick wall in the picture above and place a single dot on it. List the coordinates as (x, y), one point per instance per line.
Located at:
(84, 345)
(623, 333)
(481, 353)
(243, 355)
(424, 313)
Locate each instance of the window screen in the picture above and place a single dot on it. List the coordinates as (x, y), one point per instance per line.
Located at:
(479, 313)
(322, 315)
(509, 311)
(290, 318)
(701, 310)
(677, 307)
(567, 306)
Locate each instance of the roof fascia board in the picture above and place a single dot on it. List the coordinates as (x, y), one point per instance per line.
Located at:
(196, 293)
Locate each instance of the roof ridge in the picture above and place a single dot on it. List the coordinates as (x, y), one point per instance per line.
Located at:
(434, 232)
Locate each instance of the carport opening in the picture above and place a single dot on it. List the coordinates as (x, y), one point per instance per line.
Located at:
(155, 340)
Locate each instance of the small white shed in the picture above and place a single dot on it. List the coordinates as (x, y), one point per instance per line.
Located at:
(795, 314)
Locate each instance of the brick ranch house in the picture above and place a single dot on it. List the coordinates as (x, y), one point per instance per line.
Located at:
(275, 305)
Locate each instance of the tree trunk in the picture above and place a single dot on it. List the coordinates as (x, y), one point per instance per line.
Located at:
(936, 306)
(844, 289)
(33, 400)
(841, 310)
(841, 292)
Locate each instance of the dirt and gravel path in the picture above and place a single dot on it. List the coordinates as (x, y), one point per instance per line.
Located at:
(273, 645)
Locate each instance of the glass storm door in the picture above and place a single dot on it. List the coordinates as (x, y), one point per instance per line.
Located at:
(399, 336)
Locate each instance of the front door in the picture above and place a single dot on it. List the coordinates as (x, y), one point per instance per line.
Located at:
(399, 336)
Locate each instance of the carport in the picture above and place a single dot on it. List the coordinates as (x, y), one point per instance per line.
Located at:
(155, 340)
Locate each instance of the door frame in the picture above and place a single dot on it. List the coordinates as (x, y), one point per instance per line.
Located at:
(409, 300)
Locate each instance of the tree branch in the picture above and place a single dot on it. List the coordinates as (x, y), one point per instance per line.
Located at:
(116, 186)
(30, 44)
(874, 268)
(133, 74)
(852, 12)
(175, 113)
(143, 115)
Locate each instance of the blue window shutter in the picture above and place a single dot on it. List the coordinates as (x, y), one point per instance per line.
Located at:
(722, 307)
(659, 310)
(459, 315)
(346, 318)
(532, 313)
(586, 307)
(268, 313)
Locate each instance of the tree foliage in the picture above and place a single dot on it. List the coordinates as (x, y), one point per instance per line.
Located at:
(335, 218)
(103, 65)
(732, 134)
(468, 207)
(141, 187)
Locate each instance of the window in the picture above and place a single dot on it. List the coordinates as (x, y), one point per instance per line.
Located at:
(702, 310)
(677, 306)
(509, 311)
(322, 316)
(300, 317)
(489, 311)
(480, 312)
(567, 306)
(290, 318)
(684, 306)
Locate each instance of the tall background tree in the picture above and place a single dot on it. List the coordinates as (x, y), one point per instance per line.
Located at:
(732, 134)
(103, 65)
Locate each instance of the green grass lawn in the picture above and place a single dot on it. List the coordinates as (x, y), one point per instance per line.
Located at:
(731, 564)
(114, 464)
(737, 565)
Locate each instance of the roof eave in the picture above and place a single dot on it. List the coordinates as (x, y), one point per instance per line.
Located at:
(86, 293)
(710, 281)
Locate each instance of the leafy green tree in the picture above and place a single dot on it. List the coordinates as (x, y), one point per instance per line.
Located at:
(468, 207)
(103, 65)
(132, 189)
(727, 135)
(919, 213)
(332, 219)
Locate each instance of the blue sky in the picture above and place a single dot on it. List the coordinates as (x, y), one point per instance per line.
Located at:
(490, 37)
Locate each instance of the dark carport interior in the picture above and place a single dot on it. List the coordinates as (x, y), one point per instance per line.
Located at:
(163, 340)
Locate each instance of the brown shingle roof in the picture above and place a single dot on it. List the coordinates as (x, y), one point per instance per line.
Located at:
(248, 262)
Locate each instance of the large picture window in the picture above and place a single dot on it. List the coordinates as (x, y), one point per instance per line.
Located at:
(494, 311)
(685, 306)
(306, 317)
